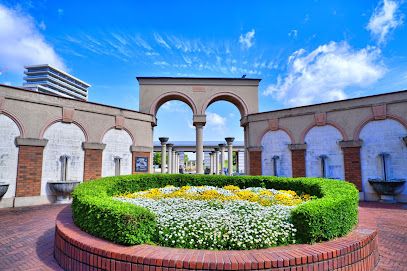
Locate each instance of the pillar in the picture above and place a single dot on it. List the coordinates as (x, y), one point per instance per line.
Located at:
(298, 159)
(254, 160)
(177, 165)
(173, 159)
(163, 141)
(211, 163)
(222, 157)
(199, 148)
(170, 162)
(229, 141)
(93, 160)
(237, 162)
(29, 167)
(216, 167)
(351, 161)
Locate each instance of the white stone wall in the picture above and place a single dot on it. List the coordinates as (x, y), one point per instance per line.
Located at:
(323, 140)
(8, 154)
(276, 143)
(118, 144)
(383, 136)
(63, 139)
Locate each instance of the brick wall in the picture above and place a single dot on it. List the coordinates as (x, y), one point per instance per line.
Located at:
(29, 171)
(298, 163)
(351, 157)
(255, 162)
(140, 154)
(93, 164)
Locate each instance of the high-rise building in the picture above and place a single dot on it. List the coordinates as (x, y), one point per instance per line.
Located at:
(47, 79)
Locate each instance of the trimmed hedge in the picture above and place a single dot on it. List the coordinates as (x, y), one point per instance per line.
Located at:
(334, 213)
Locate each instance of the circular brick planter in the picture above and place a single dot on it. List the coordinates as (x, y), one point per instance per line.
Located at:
(77, 250)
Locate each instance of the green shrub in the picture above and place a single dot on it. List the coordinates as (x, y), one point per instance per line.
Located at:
(333, 214)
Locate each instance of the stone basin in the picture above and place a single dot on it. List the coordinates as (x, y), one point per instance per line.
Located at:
(3, 189)
(63, 190)
(387, 189)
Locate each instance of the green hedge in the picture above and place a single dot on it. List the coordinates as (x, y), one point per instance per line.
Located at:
(334, 213)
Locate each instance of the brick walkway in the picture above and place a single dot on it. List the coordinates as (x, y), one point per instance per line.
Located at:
(27, 236)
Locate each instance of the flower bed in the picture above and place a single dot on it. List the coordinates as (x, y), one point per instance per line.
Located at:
(332, 212)
(207, 217)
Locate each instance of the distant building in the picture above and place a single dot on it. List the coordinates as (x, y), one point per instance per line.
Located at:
(47, 79)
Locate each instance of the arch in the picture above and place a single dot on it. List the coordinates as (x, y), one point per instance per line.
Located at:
(322, 142)
(382, 137)
(362, 124)
(55, 120)
(331, 123)
(16, 121)
(169, 96)
(9, 130)
(118, 144)
(265, 131)
(114, 127)
(229, 97)
(63, 139)
(275, 143)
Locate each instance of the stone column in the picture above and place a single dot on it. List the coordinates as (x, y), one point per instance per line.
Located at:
(199, 148)
(216, 167)
(177, 165)
(222, 157)
(352, 162)
(210, 163)
(163, 141)
(229, 141)
(170, 162)
(298, 159)
(237, 162)
(173, 159)
(199, 122)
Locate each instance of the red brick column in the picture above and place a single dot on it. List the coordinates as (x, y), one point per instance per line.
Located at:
(141, 152)
(93, 160)
(29, 168)
(351, 161)
(298, 159)
(254, 161)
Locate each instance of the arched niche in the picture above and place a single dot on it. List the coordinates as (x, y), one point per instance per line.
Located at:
(117, 153)
(9, 130)
(275, 147)
(63, 139)
(383, 137)
(323, 147)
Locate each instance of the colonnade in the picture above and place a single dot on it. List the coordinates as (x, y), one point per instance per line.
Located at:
(173, 157)
(216, 157)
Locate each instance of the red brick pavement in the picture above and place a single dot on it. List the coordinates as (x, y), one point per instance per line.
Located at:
(27, 236)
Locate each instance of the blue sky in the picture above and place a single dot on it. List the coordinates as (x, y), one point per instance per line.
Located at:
(304, 51)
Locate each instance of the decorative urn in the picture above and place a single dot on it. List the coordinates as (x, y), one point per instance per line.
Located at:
(387, 189)
(63, 190)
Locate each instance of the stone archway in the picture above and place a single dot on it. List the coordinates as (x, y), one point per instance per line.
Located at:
(198, 94)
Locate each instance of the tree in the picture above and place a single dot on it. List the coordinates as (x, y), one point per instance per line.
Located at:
(157, 158)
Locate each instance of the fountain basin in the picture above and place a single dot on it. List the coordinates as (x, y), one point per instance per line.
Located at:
(387, 189)
(3, 189)
(63, 190)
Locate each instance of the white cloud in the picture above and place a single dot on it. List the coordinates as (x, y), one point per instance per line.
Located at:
(293, 33)
(160, 40)
(384, 19)
(325, 73)
(60, 12)
(247, 40)
(161, 63)
(175, 106)
(22, 44)
(214, 119)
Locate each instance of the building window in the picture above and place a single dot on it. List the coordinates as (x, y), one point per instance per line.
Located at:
(64, 167)
(117, 162)
(324, 159)
(275, 158)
